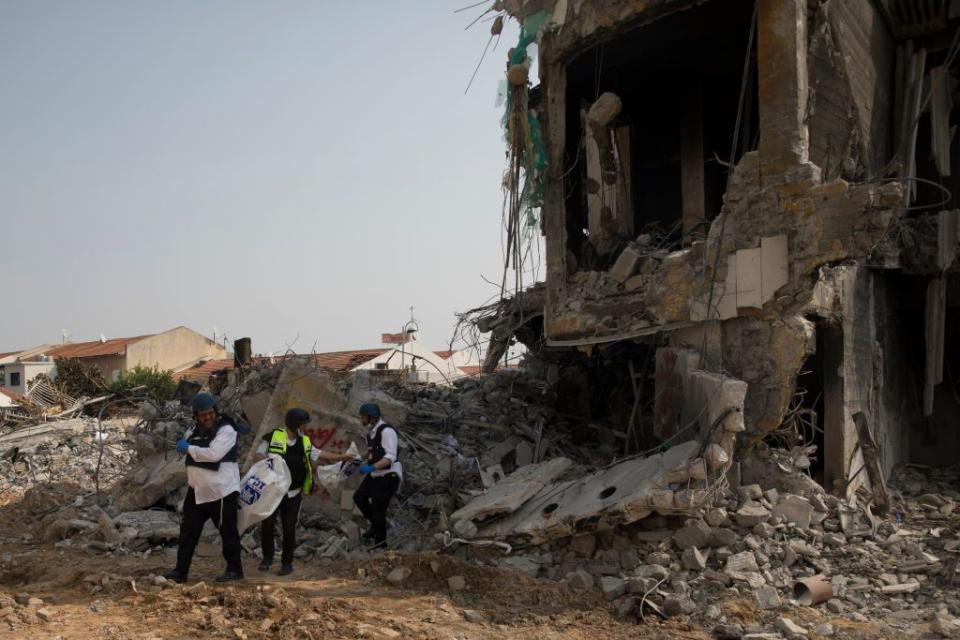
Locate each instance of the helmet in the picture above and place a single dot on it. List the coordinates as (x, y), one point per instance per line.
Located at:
(296, 418)
(202, 402)
(370, 409)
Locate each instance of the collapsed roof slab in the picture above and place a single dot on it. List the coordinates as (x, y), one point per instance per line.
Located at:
(624, 493)
(510, 494)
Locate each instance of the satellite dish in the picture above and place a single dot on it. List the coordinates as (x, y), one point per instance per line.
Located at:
(103, 338)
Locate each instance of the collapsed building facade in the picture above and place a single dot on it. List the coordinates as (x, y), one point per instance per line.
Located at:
(745, 193)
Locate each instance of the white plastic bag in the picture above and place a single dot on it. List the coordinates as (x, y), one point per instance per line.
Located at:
(329, 476)
(261, 491)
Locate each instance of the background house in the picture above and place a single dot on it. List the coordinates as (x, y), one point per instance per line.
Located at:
(176, 349)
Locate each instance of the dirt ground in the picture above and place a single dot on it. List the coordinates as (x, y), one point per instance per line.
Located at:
(95, 595)
(87, 593)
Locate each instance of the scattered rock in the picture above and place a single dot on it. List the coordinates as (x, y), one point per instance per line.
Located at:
(696, 533)
(612, 587)
(678, 605)
(398, 575)
(456, 583)
(767, 597)
(790, 629)
(693, 560)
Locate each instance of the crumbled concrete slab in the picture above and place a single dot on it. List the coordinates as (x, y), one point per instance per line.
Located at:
(516, 489)
(795, 509)
(624, 493)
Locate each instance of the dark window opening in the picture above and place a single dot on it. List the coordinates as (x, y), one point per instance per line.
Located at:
(679, 81)
(933, 191)
(14, 379)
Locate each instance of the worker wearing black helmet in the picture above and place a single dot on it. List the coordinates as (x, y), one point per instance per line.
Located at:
(383, 474)
(300, 455)
(213, 480)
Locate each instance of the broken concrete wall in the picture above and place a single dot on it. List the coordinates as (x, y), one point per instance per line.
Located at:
(851, 60)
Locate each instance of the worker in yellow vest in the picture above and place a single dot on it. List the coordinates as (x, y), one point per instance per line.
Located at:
(301, 456)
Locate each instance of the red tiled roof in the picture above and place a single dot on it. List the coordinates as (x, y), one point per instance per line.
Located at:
(114, 347)
(13, 395)
(346, 360)
(8, 353)
(203, 370)
(444, 354)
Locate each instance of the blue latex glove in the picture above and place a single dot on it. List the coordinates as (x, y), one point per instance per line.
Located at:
(367, 468)
(182, 445)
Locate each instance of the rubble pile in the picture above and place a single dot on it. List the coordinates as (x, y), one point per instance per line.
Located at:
(75, 452)
(759, 543)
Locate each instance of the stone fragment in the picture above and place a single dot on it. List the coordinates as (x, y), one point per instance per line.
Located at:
(941, 625)
(654, 571)
(763, 530)
(583, 545)
(693, 560)
(473, 616)
(626, 264)
(718, 576)
(743, 562)
(824, 630)
(44, 615)
(35, 602)
(834, 539)
(612, 587)
(456, 583)
(750, 492)
(723, 537)
(905, 587)
(675, 605)
(716, 457)
(580, 579)
(398, 575)
(795, 509)
(465, 529)
(695, 533)
(660, 558)
(728, 632)
(717, 517)
(767, 597)
(751, 514)
(790, 629)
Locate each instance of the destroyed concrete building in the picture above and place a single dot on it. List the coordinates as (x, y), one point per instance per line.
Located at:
(748, 200)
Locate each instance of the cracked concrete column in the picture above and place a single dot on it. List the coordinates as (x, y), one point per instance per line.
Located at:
(782, 76)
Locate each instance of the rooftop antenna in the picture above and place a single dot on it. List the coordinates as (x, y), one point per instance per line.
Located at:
(65, 335)
(103, 338)
(216, 332)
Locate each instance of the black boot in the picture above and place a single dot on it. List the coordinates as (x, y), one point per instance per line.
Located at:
(229, 576)
(285, 569)
(265, 565)
(176, 576)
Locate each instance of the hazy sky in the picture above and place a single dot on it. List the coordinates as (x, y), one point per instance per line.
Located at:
(282, 168)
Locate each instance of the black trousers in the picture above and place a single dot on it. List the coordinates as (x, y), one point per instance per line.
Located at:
(289, 512)
(373, 497)
(223, 512)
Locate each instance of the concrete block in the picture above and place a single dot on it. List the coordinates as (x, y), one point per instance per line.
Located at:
(773, 266)
(580, 579)
(693, 560)
(767, 598)
(749, 279)
(626, 264)
(795, 509)
(612, 587)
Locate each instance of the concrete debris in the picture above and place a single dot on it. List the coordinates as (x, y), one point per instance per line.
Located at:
(767, 598)
(510, 494)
